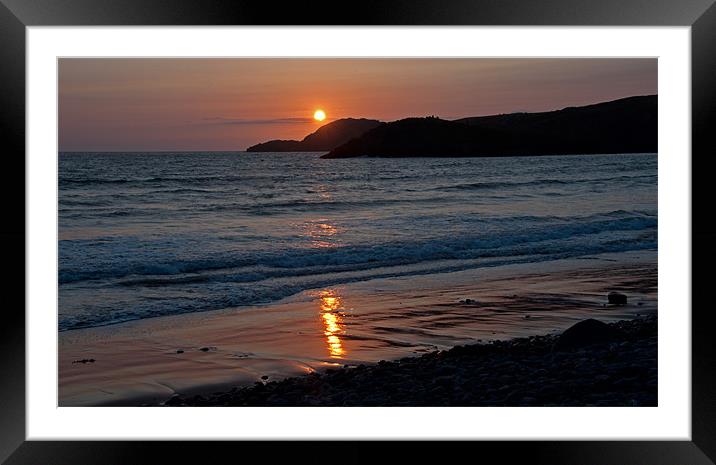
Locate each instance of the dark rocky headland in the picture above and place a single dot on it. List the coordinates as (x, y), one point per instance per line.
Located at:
(627, 125)
(590, 364)
(327, 137)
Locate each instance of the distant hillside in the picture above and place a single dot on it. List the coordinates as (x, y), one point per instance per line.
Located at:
(627, 125)
(326, 138)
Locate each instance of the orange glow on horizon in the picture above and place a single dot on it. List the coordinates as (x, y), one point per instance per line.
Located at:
(228, 104)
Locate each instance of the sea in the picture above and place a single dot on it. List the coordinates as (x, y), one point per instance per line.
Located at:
(143, 235)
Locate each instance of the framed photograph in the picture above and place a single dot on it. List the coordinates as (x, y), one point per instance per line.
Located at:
(471, 222)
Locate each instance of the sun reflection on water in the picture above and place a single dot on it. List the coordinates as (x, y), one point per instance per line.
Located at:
(332, 322)
(321, 232)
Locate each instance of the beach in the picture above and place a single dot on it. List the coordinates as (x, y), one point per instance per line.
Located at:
(189, 274)
(521, 372)
(361, 329)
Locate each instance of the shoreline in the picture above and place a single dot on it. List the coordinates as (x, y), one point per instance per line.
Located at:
(147, 362)
(532, 371)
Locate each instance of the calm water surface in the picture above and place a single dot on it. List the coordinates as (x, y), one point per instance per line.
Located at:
(149, 234)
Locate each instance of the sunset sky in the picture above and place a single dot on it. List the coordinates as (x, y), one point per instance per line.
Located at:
(229, 104)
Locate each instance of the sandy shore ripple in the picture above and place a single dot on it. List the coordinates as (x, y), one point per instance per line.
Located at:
(147, 362)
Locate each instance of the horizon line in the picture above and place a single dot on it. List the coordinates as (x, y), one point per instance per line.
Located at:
(358, 118)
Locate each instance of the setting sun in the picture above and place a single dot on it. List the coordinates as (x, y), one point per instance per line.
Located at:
(319, 115)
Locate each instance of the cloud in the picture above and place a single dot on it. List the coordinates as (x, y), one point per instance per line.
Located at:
(244, 121)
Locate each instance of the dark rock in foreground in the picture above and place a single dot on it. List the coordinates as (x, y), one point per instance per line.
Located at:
(586, 333)
(519, 372)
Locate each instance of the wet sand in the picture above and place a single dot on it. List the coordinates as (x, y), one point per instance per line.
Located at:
(147, 362)
(521, 372)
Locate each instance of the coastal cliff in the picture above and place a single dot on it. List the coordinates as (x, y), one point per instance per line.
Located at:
(626, 125)
(326, 138)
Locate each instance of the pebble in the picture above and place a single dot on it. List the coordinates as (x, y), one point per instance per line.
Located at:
(505, 373)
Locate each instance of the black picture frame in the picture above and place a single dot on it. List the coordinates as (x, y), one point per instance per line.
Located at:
(16, 15)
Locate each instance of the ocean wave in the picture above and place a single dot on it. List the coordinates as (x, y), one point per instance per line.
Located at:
(276, 263)
(217, 295)
(479, 185)
(170, 180)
